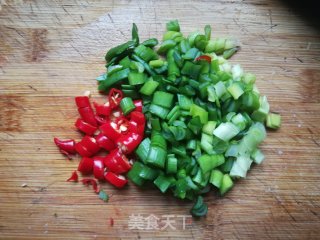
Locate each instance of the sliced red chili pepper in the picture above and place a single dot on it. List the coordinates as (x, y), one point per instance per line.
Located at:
(100, 120)
(102, 110)
(117, 162)
(87, 181)
(90, 144)
(66, 145)
(115, 114)
(104, 142)
(116, 180)
(68, 155)
(110, 130)
(136, 128)
(137, 117)
(122, 124)
(115, 96)
(85, 127)
(82, 101)
(83, 151)
(138, 104)
(86, 165)
(204, 57)
(87, 115)
(74, 177)
(98, 167)
(127, 143)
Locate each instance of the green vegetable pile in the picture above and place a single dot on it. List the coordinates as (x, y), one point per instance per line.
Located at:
(205, 117)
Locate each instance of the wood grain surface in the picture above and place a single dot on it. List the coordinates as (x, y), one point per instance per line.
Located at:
(51, 51)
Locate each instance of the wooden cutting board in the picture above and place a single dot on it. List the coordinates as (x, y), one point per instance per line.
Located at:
(51, 51)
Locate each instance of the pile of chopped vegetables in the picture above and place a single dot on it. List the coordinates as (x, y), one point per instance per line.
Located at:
(117, 127)
(204, 117)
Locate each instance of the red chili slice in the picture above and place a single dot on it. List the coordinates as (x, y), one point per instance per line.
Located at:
(98, 167)
(117, 162)
(82, 101)
(205, 58)
(85, 127)
(127, 143)
(86, 165)
(137, 117)
(66, 145)
(83, 151)
(115, 96)
(100, 120)
(104, 142)
(87, 181)
(90, 144)
(110, 130)
(87, 115)
(74, 177)
(102, 110)
(116, 180)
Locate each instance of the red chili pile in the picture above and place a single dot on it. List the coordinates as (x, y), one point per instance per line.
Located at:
(106, 129)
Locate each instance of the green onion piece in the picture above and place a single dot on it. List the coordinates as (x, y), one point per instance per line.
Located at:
(156, 63)
(148, 173)
(191, 144)
(145, 53)
(195, 125)
(115, 78)
(209, 127)
(157, 140)
(123, 49)
(190, 69)
(134, 33)
(159, 111)
(152, 42)
(207, 32)
(216, 178)
(172, 164)
(143, 149)
(173, 111)
(166, 46)
(226, 184)
(257, 156)
(179, 150)
(136, 78)
(209, 162)
(273, 120)
(226, 167)
(230, 52)
(155, 124)
(144, 63)
(181, 188)
(125, 62)
(198, 111)
(156, 157)
(200, 42)
(173, 35)
(113, 69)
(149, 87)
(162, 182)
(249, 78)
(199, 209)
(163, 99)
(262, 113)
(226, 131)
(184, 102)
(235, 90)
(137, 66)
(173, 26)
(127, 105)
(134, 174)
